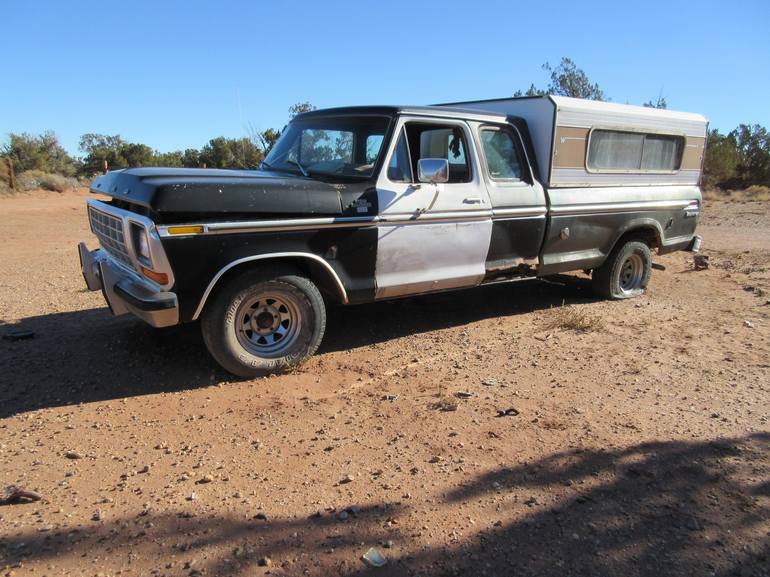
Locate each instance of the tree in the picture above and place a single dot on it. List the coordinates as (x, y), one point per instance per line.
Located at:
(100, 147)
(174, 158)
(137, 155)
(722, 157)
(569, 80)
(659, 103)
(266, 139)
(753, 143)
(566, 80)
(531, 91)
(191, 158)
(299, 108)
(224, 152)
(39, 152)
(739, 159)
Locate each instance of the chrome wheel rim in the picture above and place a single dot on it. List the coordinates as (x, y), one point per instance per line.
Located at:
(268, 324)
(632, 274)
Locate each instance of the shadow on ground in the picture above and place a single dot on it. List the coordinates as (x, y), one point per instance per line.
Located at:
(87, 356)
(653, 509)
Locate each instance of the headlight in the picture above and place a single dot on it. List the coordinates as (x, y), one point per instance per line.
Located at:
(141, 244)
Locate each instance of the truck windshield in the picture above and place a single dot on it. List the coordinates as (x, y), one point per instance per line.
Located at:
(334, 145)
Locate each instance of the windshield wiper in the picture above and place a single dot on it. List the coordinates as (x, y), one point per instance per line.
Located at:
(301, 168)
(265, 165)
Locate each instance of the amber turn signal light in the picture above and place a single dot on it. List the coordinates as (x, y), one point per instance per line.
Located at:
(158, 277)
(185, 229)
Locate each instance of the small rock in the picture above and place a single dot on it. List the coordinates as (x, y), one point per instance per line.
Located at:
(489, 382)
(205, 479)
(261, 516)
(343, 515)
(73, 455)
(347, 479)
(192, 497)
(700, 261)
(374, 558)
(14, 494)
(435, 459)
(265, 562)
(97, 516)
(748, 324)
(145, 469)
(388, 544)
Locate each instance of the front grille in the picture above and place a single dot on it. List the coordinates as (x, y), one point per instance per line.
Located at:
(109, 230)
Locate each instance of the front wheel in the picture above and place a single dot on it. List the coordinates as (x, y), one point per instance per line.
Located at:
(259, 323)
(625, 273)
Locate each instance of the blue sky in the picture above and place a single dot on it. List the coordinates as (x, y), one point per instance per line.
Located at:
(173, 74)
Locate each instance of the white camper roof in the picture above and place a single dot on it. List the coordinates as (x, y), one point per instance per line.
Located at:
(585, 113)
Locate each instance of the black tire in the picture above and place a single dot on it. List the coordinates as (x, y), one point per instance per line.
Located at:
(235, 323)
(626, 272)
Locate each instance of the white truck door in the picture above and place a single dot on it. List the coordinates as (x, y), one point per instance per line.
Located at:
(431, 236)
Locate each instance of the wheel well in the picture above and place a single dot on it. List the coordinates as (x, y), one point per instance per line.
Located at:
(321, 276)
(647, 234)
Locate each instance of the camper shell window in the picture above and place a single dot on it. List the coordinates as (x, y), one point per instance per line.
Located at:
(626, 151)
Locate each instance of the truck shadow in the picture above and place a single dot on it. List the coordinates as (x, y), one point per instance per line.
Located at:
(362, 325)
(86, 356)
(654, 508)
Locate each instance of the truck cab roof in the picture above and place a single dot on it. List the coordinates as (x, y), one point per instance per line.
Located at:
(393, 110)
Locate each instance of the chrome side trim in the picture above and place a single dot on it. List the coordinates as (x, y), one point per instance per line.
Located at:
(612, 207)
(446, 216)
(273, 255)
(344, 222)
(269, 225)
(528, 211)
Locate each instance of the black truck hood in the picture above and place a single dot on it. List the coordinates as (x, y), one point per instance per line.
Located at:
(215, 191)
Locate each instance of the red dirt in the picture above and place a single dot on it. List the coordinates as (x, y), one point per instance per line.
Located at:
(642, 447)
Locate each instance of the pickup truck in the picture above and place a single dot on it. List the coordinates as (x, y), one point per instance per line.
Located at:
(359, 204)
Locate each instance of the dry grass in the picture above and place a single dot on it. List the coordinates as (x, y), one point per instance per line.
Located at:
(755, 192)
(572, 318)
(33, 179)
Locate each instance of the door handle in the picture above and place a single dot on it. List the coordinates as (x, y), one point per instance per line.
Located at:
(473, 200)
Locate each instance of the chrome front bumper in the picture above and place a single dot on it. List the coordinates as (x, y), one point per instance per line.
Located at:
(126, 291)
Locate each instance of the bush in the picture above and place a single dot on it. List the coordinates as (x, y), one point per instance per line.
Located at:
(4, 176)
(33, 179)
(758, 192)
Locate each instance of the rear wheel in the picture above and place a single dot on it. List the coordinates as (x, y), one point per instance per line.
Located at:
(261, 323)
(625, 273)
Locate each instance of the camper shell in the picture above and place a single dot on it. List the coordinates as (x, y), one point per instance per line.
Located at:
(561, 129)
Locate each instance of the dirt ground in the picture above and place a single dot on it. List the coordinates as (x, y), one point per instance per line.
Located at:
(641, 446)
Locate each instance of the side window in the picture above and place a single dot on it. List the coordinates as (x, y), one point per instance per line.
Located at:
(438, 141)
(615, 150)
(373, 145)
(399, 168)
(500, 151)
(443, 142)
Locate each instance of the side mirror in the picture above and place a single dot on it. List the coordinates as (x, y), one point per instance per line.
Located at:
(433, 170)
